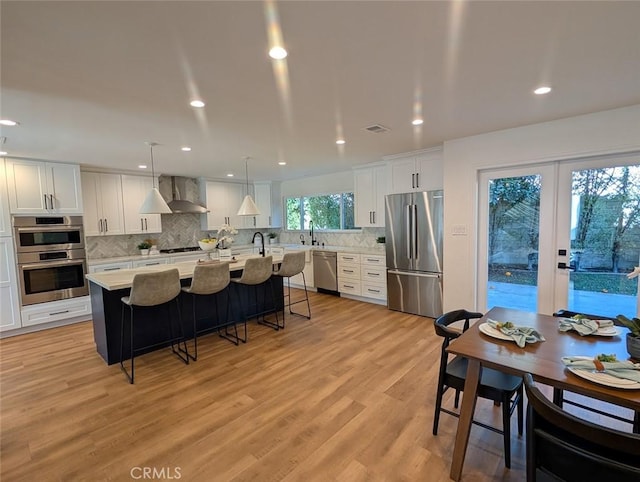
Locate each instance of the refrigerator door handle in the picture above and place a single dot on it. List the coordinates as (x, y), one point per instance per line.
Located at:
(414, 273)
(414, 226)
(408, 231)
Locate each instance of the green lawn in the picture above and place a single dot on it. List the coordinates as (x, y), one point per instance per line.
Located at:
(582, 281)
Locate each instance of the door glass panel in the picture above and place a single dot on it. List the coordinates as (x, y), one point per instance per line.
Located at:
(605, 240)
(512, 244)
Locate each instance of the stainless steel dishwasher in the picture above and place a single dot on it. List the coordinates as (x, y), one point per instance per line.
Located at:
(325, 271)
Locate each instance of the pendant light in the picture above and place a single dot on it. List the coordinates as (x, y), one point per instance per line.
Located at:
(248, 207)
(154, 203)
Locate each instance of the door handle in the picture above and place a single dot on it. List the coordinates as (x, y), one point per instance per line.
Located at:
(563, 265)
(417, 179)
(413, 181)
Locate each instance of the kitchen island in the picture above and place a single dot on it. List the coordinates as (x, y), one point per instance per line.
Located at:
(107, 289)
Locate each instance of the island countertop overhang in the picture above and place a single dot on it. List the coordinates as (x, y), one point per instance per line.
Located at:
(121, 279)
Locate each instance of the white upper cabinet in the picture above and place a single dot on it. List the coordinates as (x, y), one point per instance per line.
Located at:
(371, 185)
(223, 199)
(5, 218)
(134, 192)
(104, 213)
(421, 171)
(262, 197)
(44, 188)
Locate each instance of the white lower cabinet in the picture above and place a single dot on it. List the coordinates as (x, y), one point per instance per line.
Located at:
(40, 313)
(150, 262)
(190, 257)
(9, 296)
(100, 268)
(362, 275)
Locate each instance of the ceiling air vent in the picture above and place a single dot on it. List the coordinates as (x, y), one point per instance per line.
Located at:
(377, 129)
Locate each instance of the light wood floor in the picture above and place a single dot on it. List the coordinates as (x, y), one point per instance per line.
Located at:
(347, 395)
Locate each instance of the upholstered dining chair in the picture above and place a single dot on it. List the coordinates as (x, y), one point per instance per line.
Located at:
(292, 265)
(208, 280)
(152, 290)
(562, 447)
(256, 272)
(494, 385)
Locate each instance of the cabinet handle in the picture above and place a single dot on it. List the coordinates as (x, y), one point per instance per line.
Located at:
(141, 225)
(374, 217)
(373, 291)
(413, 181)
(99, 225)
(417, 179)
(111, 269)
(347, 270)
(146, 227)
(58, 312)
(269, 221)
(254, 221)
(106, 226)
(373, 274)
(349, 286)
(45, 201)
(51, 200)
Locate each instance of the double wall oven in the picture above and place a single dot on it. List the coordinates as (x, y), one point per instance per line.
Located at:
(51, 258)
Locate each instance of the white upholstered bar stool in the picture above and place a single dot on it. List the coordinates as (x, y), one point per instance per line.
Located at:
(256, 272)
(292, 265)
(209, 280)
(152, 290)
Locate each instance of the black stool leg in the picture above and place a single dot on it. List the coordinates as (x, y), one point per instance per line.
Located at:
(131, 352)
(506, 429)
(183, 354)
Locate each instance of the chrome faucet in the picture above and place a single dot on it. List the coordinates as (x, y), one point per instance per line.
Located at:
(313, 239)
(261, 239)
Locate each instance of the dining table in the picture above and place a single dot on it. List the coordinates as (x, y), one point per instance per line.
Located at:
(543, 360)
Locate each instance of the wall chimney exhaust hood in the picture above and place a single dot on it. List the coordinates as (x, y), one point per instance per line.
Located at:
(179, 205)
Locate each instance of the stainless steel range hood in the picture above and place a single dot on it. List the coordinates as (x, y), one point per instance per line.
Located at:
(179, 205)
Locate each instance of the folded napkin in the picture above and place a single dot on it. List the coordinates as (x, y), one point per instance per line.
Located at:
(520, 334)
(583, 326)
(620, 369)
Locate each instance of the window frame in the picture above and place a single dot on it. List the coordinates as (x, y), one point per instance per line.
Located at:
(301, 199)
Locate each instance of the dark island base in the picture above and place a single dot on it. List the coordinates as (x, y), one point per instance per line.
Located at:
(150, 326)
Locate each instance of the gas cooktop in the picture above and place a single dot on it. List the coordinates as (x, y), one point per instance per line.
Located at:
(180, 250)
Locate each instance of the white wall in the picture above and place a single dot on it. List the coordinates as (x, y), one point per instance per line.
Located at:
(326, 184)
(592, 134)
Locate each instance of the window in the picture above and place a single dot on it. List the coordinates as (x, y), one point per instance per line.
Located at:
(328, 212)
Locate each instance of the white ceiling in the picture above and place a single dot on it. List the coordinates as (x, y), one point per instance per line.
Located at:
(89, 82)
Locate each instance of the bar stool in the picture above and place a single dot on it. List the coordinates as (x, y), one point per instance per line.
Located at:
(208, 280)
(293, 264)
(152, 290)
(256, 272)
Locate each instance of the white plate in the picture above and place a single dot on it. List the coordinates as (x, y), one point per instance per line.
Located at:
(488, 330)
(605, 379)
(608, 331)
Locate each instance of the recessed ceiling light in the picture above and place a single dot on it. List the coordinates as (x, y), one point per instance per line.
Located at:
(8, 122)
(340, 142)
(282, 163)
(278, 53)
(542, 90)
(417, 122)
(142, 166)
(185, 149)
(230, 175)
(3, 153)
(196, 103)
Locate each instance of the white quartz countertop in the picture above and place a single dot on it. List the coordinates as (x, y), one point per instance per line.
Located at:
(123, 278)
(379, 250)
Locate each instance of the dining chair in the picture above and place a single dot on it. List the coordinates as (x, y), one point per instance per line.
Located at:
(559, 396)
(152, 290)
(494, 385)
(562, 447)
(292, 265)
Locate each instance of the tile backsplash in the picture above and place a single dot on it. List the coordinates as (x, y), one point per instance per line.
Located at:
(182, 230)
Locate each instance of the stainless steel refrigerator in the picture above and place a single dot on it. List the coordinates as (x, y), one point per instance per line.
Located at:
(414, 229)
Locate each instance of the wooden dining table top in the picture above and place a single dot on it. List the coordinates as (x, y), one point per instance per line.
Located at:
(542, 359)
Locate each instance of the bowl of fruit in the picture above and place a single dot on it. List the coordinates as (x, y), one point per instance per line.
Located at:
(208, 244)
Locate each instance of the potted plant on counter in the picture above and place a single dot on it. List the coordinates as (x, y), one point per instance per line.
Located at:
(633, 337)
(144, 247)
(273, 238)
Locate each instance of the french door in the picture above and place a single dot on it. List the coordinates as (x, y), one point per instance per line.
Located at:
(561, 235)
